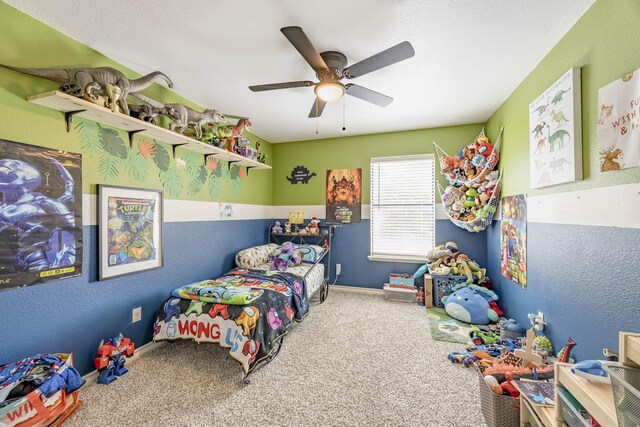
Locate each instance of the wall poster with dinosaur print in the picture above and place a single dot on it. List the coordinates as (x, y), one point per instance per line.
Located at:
(619, 123)
(130, 230)
(40, 214)
(344, 196)
(513, 226)
(555, 138)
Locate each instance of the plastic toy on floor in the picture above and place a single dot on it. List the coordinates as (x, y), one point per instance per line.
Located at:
(111, 358)
(591, 370)
(564, 355)
(482, 335)
(511, 329)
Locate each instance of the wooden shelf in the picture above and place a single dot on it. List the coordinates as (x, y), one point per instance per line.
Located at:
(530, 414)
(597, 398)
(630, 349)
(70, 106)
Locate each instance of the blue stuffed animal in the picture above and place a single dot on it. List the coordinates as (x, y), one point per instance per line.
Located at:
(470, 304)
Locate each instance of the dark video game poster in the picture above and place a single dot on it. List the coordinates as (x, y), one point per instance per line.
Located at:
(40, 214)
(344, 196)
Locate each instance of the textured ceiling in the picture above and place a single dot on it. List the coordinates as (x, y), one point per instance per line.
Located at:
(470, 55)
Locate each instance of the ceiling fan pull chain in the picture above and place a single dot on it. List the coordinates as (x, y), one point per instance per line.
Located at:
(317, 118)
(344, 113)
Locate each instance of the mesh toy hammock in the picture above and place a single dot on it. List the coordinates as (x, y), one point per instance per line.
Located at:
(460, 179)
(475, 225)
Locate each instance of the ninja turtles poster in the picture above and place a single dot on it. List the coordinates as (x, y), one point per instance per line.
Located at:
(40, 214)
(514, 239)
(130, 230)
(344, 196)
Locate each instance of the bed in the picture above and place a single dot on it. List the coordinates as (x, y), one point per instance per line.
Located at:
(248, 310)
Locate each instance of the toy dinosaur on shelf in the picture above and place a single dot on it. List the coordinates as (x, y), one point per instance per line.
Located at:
(183, 116)
(81, 81)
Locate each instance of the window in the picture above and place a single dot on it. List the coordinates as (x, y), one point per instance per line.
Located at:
(402, 207)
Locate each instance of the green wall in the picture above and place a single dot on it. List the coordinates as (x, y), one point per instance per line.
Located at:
(107, 157)
(603, 42)
(354, 152)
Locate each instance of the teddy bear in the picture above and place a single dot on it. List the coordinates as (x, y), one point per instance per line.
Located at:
(468, 152)
(468, 169)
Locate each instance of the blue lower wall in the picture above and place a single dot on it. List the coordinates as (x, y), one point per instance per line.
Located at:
(73, 315)
(351, 249)
(583, 278)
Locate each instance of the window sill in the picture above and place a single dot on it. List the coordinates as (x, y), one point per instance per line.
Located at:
(391, 258)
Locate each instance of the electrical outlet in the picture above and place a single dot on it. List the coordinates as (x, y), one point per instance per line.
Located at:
(338, 269)
(539, 321)
(136, 314)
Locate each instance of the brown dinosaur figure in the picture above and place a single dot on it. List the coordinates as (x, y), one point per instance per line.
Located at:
(236, 131)
(81, 78)
(609, 163)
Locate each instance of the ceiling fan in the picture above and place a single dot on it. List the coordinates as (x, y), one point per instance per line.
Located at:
(331, 67)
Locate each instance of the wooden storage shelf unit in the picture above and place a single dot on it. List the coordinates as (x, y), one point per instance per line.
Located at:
(630, 349)
(597, 398)
(536, 415)
(70, 106)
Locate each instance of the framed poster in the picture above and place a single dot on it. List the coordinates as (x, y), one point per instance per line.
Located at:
(619, 123)
(130, 230)
(344, 196)
(40, 214)
(555, 138)
(513, 257)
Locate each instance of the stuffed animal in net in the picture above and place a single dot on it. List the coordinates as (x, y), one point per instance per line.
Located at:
(471, 304)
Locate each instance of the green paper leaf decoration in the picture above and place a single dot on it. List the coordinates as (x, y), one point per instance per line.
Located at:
(172, 182)
(214, 185)
(137, 166)
(161, 157)
(89, 137)
(195, 186)
(112, 143)
(109, 166)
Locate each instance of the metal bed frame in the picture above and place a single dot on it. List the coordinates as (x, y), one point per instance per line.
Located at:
(326, 233)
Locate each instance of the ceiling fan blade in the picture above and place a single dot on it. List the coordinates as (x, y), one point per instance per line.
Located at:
(394, 54)
(368, 95)
(317, 108)
(286, 85)
(301, 42)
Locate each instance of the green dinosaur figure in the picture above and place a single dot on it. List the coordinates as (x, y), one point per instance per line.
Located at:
(558, 96)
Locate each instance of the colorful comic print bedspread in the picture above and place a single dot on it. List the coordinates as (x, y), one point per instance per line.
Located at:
(263, 308)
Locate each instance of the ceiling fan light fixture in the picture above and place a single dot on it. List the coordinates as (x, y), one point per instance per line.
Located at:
(329, 91)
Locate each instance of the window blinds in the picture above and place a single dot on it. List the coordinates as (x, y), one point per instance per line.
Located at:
(402, 207)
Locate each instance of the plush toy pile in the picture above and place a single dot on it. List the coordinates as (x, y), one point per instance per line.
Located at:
(285, 256)
(470, 163)
(473, 184)
(470, 203)
(446, 259)
(472, 301)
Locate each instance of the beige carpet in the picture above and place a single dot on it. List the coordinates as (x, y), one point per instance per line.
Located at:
(356, 360)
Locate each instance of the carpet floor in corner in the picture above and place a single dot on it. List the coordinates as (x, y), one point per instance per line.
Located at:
(356, 360)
